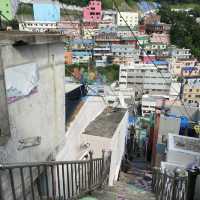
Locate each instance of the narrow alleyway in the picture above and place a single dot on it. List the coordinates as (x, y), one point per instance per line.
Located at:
(133, 185)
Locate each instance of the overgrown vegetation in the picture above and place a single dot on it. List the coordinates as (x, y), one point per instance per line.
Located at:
(25, 9)
(110, 72)
(185, 31)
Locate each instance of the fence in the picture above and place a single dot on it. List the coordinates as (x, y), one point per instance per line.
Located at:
(169, 186)
(53, 180)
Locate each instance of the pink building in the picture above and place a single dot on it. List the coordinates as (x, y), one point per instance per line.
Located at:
(147, 59)
(93, 12)
(160, 38)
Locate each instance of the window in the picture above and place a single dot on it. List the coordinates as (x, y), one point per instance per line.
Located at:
(190, 90)
(197, 96)
(197, 90)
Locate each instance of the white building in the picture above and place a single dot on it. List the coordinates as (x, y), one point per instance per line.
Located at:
(131, 19)
(179, 53)
(183, 150)
(175, 90)
(149, 102)
(145, 78)
(38, 26)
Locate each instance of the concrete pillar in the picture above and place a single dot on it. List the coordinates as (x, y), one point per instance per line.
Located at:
(4, 118)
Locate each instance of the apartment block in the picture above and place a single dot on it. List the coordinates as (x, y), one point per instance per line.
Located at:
(145, 78)
(131, 19)
(177, 65)
(38, 26)
(81, 56)
(69, 28)
(124, 54)
(93, 12)
(157, 28)
(177, 53)
(124, 31)
(102, 54)
(151, 18)
(160, 38)
(149, 103)
(191, 91)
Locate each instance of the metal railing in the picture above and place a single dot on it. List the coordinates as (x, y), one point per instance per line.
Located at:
(169, 186)
(60, 180)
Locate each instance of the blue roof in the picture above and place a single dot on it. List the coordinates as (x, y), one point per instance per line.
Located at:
(190, 69)
(82, 41)
(145, 6)
(159, 62)
(82, 53)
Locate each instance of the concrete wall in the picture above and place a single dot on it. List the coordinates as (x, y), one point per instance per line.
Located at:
(168, 125)
(118, 148)
(92, 107)
(4, 122)
(40, 114)
(116, 145)
(180, 156)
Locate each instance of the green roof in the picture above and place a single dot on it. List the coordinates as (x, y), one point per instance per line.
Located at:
(126, 28)
(138, 38)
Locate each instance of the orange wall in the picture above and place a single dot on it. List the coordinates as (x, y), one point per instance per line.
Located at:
(68, 57)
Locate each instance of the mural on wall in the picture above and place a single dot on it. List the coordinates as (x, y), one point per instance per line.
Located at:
(21, 81)
(46, 12)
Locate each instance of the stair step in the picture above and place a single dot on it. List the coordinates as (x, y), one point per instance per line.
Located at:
(120, 191)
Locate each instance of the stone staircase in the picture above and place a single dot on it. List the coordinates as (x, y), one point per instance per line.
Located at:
(133, 185)
(121, 191)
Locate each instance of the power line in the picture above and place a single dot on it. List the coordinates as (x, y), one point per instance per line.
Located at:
(173, 88)
(92, 59)
(115, 4)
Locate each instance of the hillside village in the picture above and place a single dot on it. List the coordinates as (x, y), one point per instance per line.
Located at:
(99, 100)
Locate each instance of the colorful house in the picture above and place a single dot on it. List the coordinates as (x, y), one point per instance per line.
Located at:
(9, 8)
(191, 91)
(68, 57)
(93, 12)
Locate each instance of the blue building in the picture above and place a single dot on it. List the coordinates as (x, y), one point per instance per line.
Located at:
(46, 12)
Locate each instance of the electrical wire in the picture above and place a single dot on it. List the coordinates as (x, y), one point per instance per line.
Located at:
(182, 75)
(117, 8)
(92, 59)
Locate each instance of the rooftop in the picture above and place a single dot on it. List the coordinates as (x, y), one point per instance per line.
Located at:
(71, 86)
(187, 143)
(106, 123)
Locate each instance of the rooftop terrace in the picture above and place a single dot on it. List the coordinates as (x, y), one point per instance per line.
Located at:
(106, 123)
